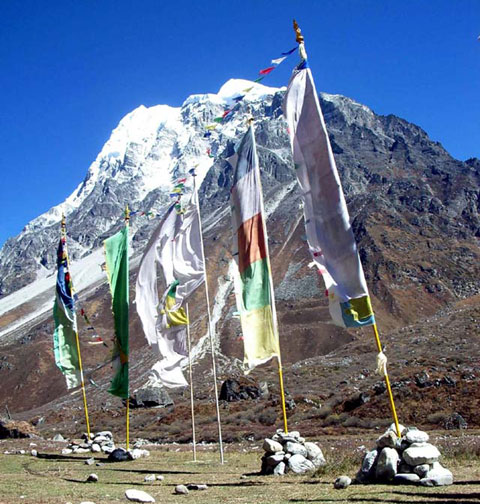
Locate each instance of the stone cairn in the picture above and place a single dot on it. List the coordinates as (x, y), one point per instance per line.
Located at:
(408, 460)
(290, 452)
(102, 442)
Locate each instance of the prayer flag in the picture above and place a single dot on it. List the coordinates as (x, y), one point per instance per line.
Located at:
(289, 52)
(188, 267)
(65, 333)
(116, 259)
(211, 127)
(278, 60)
(327, 223)
(253, 286)
(259, 79)
(218, 119)
(164, 324)
(266, 71)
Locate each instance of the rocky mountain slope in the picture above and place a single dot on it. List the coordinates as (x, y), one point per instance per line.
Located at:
(414, 210)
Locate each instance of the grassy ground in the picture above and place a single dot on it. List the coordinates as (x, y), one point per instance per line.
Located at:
(52, 478)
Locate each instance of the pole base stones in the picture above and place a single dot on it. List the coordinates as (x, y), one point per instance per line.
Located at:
(290, 453)
(408, 460)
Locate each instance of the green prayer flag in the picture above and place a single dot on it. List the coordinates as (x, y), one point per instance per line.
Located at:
(116, 258)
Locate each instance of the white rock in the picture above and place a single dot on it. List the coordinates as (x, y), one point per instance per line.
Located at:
(437, 476)
(34, 453)
(96, 448)
(92, 478)
(67, 451)
(82, 450)
(299, 464)
(387, 464)
(389, 439)
(137, 453)
(315, 454)
(138, 496)
(393, 428)
(150, 477)
(181, 489)
(279, 469)
(342, 482)
(296, 449)
(106, 434)
(417, 455)
(406, 479)
(417, 436)
(160, 477)
(271, 446)
(100, 439)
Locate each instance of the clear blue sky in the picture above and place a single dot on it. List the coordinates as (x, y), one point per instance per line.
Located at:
(71, 69)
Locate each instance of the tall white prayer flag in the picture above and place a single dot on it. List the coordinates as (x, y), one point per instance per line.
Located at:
(327, 223)
(175, 248)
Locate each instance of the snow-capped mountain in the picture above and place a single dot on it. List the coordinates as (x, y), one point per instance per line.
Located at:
(399, 185)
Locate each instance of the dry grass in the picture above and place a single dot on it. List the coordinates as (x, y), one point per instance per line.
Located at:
(54, 479)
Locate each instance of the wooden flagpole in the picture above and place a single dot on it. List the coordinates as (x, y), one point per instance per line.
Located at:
(250, 122)
(64, 237)
(127, 221)
(301, 41)
(191, 386)
(215, 387)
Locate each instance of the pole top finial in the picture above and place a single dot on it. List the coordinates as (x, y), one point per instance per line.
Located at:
(127, 214)
(298, 32)
(63, 221)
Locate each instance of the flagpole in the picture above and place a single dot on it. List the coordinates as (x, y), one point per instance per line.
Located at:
(209, 325)
(64, 237)
(272, 292)
(127, 220)
(387, 382)
(191, 386)
(303, 55)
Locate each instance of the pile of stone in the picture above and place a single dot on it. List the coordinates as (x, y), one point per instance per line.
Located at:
(102, 442)
(408, 460)
(290, 452)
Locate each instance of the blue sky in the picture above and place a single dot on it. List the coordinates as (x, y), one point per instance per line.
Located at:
(70, 70)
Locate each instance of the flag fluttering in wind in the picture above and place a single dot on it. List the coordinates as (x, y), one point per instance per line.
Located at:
(175, 247)
(253, 282)
(327, 223)
(65, 334)
(116, 260)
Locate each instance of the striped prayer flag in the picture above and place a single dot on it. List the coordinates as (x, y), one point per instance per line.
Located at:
(327, 223)
(65, 333)
(253, 287)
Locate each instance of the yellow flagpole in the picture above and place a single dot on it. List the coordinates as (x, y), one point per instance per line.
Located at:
(250, 122)
(127, 220)
(64, 236)
(387, 382)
